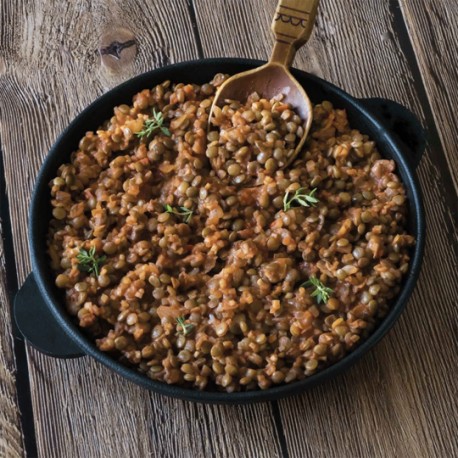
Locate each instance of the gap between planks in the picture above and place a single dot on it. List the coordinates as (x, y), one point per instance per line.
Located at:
(16, 416)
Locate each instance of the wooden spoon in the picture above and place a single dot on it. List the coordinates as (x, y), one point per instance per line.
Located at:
(292, 26)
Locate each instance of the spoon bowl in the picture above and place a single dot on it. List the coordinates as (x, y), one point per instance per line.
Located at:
(292, 25)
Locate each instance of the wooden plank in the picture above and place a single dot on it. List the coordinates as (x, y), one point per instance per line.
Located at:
(196, 430)
(11, 440)
(50, 70)
(434, 35)
(400, 400)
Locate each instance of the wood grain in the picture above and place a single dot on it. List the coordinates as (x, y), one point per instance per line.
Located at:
(51, 70)
(11, 440)
(434, 34)
(401, 399)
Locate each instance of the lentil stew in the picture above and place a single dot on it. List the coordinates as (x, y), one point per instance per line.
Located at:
(180, 270)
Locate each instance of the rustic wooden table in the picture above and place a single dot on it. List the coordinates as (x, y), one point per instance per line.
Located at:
(401, 400)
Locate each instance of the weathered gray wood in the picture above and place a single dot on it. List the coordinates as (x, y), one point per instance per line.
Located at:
(400, 400)
(434, 36)
(11, 440)
(50, 69)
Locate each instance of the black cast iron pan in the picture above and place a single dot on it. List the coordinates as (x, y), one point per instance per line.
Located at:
(38, 308)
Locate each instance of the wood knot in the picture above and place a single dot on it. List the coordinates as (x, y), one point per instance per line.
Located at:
(118, 48)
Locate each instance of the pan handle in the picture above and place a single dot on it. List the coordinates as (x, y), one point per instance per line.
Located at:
(403, 123)
(38, 325)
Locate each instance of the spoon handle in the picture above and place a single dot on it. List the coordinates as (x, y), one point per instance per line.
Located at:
(292, 26)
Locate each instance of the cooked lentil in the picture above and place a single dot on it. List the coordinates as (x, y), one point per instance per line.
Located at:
(206, 282)
(253, 139)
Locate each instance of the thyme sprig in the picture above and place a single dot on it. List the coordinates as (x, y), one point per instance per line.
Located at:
(300, 197)
(154, 124)
(184, 212)
(89, 262)
(186, 328)
(321, 292)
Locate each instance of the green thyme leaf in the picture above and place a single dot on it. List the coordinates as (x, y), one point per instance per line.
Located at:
(184, 212)
(301, 198)
(154, 124)
(320, 292)
(186, 328)
(89, 262)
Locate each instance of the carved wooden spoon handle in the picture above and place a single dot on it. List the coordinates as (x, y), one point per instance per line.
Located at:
(292, 25)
